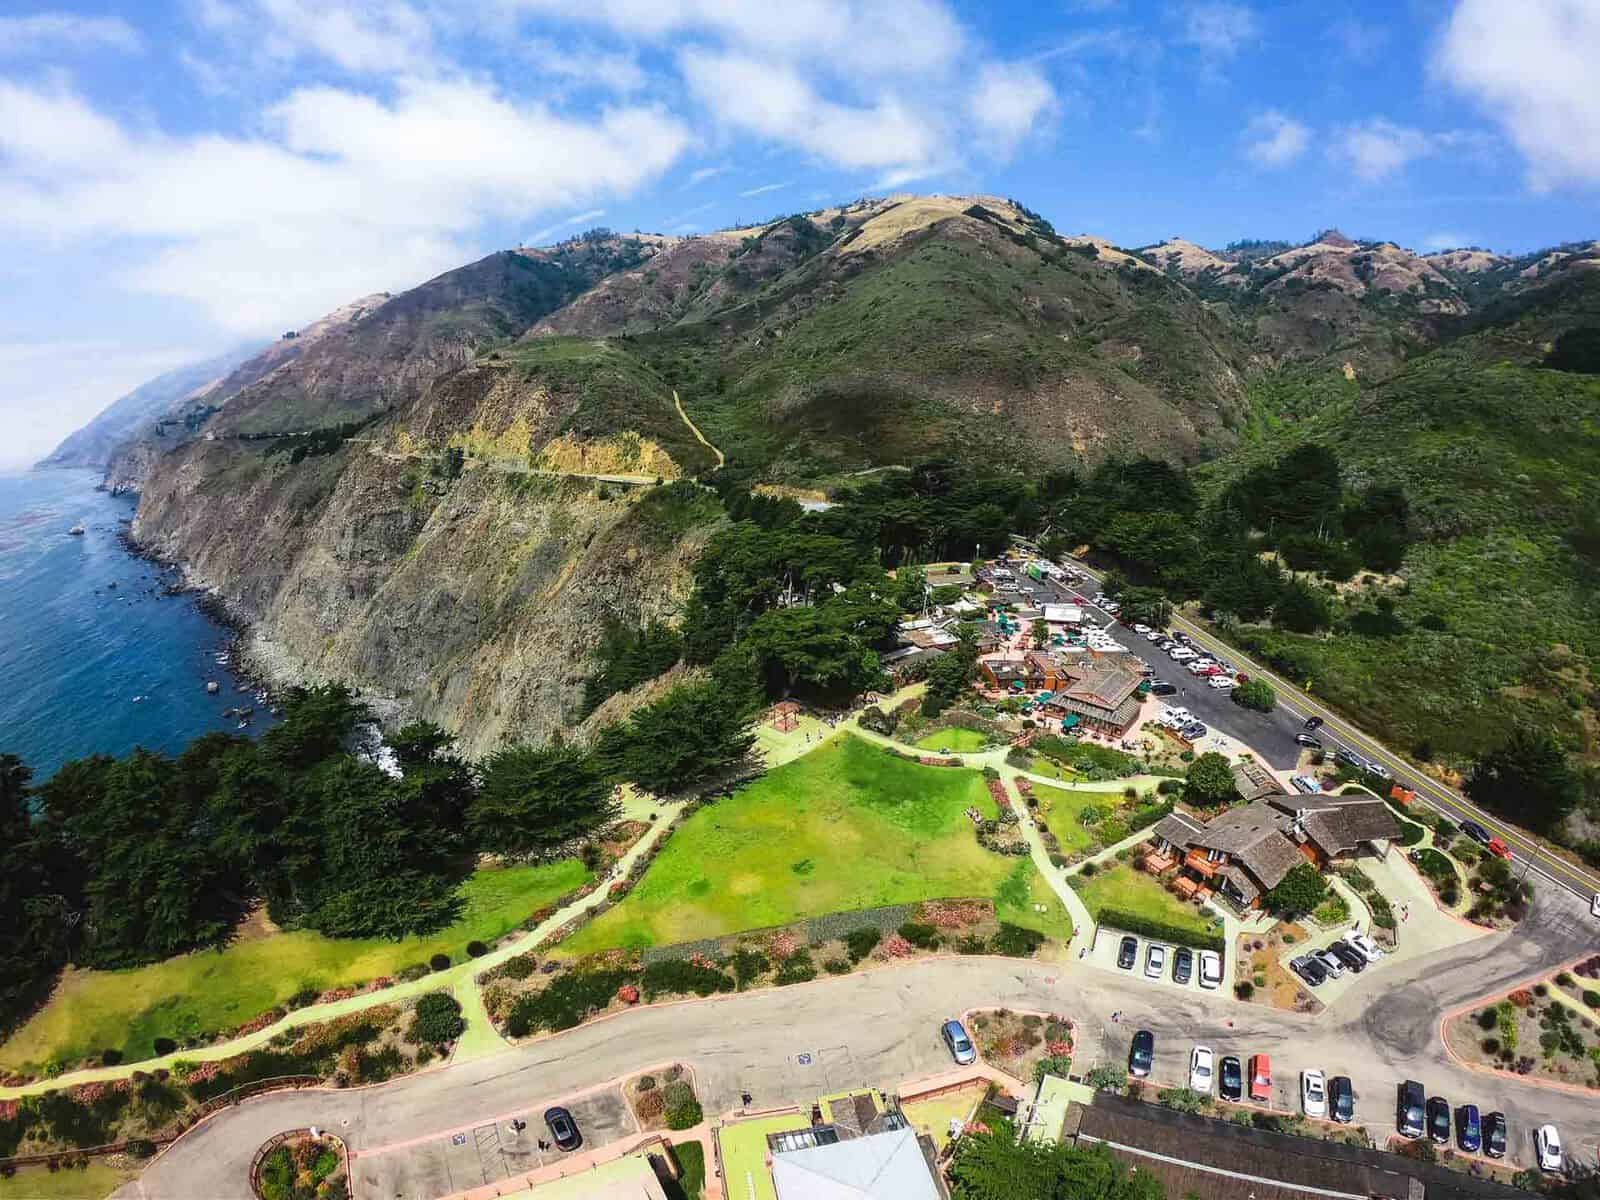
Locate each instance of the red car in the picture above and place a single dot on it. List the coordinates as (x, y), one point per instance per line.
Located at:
(1261, 1078)
(1496, 846)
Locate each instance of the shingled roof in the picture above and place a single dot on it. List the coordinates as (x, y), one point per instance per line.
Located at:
(1253, 781)
(1258, 837)
(1338, 824)
(1104, 686)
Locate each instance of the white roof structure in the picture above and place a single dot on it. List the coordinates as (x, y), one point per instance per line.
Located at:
(880, 1166)
(1063, 614)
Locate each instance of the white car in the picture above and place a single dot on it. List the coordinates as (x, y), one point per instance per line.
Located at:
(1155, 635)
(1313, 1093)
(1200, 1067)
(1141, 629)
(1155, 962)
(1222, 683)
(1548, 1142)
(1210, 969)
(1594, 905)
(1364, 946)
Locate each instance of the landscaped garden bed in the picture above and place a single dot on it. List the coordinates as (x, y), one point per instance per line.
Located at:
(1261, 977)
(664, 1099)
(1075, 761)
(1130, 900)
(1384, 921)
(1027, 1046)
(847, 827)
(1078, 823)
(368, 1046)
(531, 994)
(1531, 1032)
(302, 1167)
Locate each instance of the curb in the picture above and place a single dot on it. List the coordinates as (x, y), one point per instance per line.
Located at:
(1553, 1085)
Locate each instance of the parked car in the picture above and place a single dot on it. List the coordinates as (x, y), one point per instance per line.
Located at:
(1142, 1055)
(1201, 1066)
(1378, 769)
(961, 1048)
(1313, 1093)
(1438, 1120)
(1210, 969)
(1494, 1135)
(1548, 1142)
(1260, 1078)
(1160, 687)
(1222, 683)
(563, 1129)
(1476, 832)
(1306, 740)
(1408, 1109)
(1155, 635)
(1341, 1099)
(1469, 1129)
(1141, 628)
(1182, 964)
(1499, 849)
(1310, 970)
(1594, 905)
(1331, 962)
(1155, 961)
(1128, 953)
(1194, 732)
(1349, 758)
(1349, 956)
(1369, 949)
(1230, 1079)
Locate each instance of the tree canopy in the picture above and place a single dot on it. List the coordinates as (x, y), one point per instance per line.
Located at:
(1530, 779)
(1298, 892)
(1210, 780)
(994, 1165)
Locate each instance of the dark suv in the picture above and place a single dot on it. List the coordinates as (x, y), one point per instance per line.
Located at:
(1182, 965)
(1439, 1120)
(1128, 953)
(1341, 1099)
(1494, 1135)
(1408, 1110)
(1352, 958)
(1230, 1079)
(1143, 1054)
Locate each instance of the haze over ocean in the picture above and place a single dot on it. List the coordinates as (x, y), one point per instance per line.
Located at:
(75, 652)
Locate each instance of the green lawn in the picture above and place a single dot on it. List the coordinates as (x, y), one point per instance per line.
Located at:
(849, 826)
(217, 989)
(1062, 808)
(93, 1182)
(955, 740)
(1123, 888)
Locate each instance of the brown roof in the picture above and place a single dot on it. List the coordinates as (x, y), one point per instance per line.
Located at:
(1104, 686)
(1258, 837)
(1338, 824)
(1253, 780)
(1179, 828)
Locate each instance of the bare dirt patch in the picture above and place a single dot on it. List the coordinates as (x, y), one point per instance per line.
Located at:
(1271, 983)
(1021, 1043)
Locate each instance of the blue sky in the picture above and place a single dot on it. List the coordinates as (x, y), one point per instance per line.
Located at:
(178, 176)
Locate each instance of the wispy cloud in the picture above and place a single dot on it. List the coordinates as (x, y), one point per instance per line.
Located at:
(764, 189)
(1376, 149)
(1273, 139)
(54, 31)
(1216, 27)
(701, 174)
(1446, 241)
(549, 231)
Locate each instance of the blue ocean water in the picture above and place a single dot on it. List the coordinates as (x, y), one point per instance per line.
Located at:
(89, 668)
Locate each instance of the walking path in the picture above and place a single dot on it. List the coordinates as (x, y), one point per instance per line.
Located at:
(695, 429)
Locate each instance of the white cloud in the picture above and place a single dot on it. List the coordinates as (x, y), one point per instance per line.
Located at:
(1446, 241)
(1216, 27)
(773, 101)
(344, 194)
(701, 174)
(1274, 139)
(1379, 148)
(1531, 66)
(1359, 40)
(1008, 101)
(360, 36)
(539, 237)
(581, 65)
(764, 189)
(55, 31)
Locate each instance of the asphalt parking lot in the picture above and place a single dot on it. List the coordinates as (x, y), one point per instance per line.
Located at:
(1104, 956)
(487, 1153)
(1270, 734)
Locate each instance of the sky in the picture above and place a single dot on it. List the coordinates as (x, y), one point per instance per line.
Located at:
(179, 176)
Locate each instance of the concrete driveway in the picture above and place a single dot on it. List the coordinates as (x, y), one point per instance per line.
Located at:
(881, 1027)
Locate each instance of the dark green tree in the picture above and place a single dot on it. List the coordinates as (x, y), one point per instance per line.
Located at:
(33, 916)
(1210, 780)
(1530, 780)
(952, 672)
(1300, 609)
(534, 800)
(1256, 694)
(691, 734)
(1145, 605)
(1297, 893)
(994, 1165)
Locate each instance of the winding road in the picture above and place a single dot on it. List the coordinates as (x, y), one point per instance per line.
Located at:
(881, 1027)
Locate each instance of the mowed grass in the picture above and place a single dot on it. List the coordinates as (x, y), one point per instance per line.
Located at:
(93, 1011)
(93, 1182)
(1123, 888)
(1063, 810)
(956, 741)
(849, 826)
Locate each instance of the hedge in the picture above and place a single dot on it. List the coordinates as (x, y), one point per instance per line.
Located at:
(1130, 922)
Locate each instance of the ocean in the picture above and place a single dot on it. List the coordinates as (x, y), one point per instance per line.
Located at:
(91, 668)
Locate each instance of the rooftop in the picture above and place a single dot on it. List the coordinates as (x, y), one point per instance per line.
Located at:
(879, 1166)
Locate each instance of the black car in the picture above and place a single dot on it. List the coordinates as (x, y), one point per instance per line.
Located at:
(1309, 969)
(1494, 1135)
(1341, 1099)
(563, 1128)
(1477, 832)
(1306, 740)
(1352, 958)
(1182, 965)
(1408, 1109)
(1313, 722)
(1143, 1054)
(1230, 1079)
(1128, 953)
(1469, 1129)
(1439, 1120)
(1160, 687)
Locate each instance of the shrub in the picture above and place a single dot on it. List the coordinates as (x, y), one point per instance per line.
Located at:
(1088, 869)
(165, 1046)
(681, 976)
(476, 949)
(1591, 998)
(747, 964)
(797, 968)
(408, 973)
(438, 1019)
(1170, 787)
(1106, 1078)
(646, 1083)
(1131, 922)
(1490, 1046)
(1244, 989)
(1016, 942)
(520, 967)
(650, 1105)
(924, 937)
(110, 1058)
(566, 1002)
(862, 942)
(439, 961)
(1055, 1064)
(682, 1109)
(837, 966)
(1488, 1019)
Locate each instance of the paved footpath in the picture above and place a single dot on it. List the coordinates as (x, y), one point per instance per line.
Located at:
(882, 1025)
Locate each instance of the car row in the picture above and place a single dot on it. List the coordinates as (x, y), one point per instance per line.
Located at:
(1235, 1080)
(1354, 952)
(1183, 962)
(1418, 1115)
(1183, 722)
(1349, 758)
(1486, 839)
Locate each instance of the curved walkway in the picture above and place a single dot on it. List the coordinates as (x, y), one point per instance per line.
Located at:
(882, 1025)
(695, 429)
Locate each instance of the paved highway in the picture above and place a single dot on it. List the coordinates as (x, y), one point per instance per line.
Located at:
(1295, 706)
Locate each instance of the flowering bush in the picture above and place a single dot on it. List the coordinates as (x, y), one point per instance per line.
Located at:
(1058, 1048)
(628, 994)
(1521, 998)
(783, 945)
(333, 994)
(895, 946)
(955, 914)
(88, 1093)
